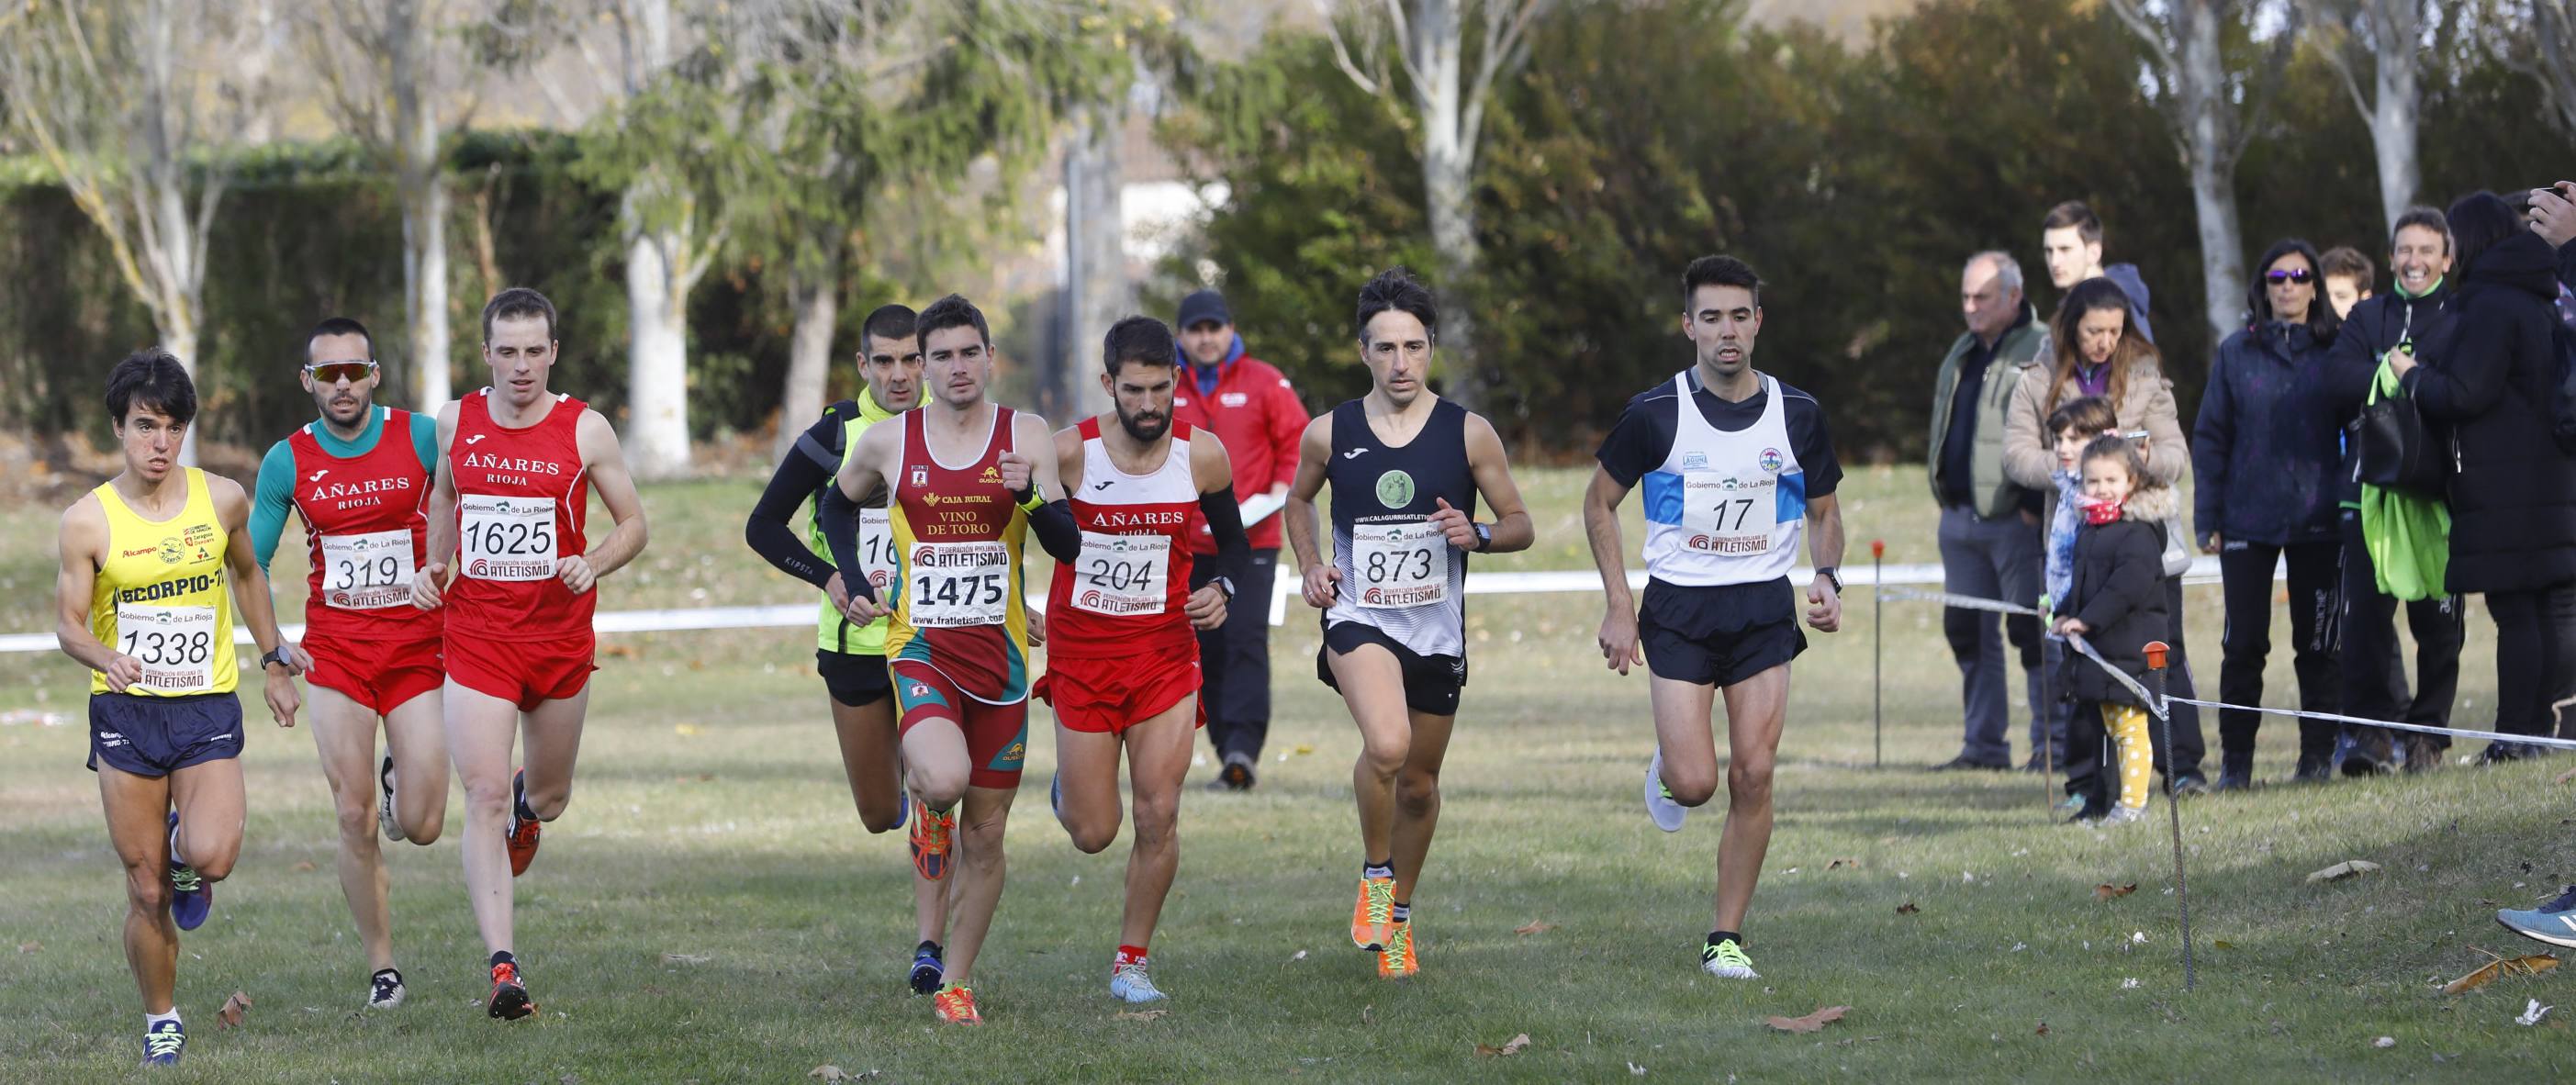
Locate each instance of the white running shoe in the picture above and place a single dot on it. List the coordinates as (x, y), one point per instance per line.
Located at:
(1660, 806)
(385, 990)
(1726, 961)
(385, 804)
(1134, 984)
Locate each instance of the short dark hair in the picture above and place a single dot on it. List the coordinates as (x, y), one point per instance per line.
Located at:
(1395, 289)
(2479, 221)
(953, 311)
(1719, 271)
(2430, 218)
(890, 322)
(2074, 213)
(1139, 339)
(339, 325)
(2089, 414)
(2346, 262)
(154, 380)
(517, 302)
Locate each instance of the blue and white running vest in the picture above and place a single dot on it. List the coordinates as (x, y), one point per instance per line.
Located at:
(1725, 508)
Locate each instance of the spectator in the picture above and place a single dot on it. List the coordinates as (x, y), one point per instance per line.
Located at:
(2417, 308)
(2491, 379)
(1989, 526)
(2070, 237)
(2348, 277)
(2097, 350)
(1254, 411)
(2265, 449)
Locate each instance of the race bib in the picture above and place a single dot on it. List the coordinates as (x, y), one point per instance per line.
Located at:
(369, 571)
(1732, 515)
(509, 538)
(1122, 575)
(949, 585)
(176, 645)
(876, 548)
(1400, 564)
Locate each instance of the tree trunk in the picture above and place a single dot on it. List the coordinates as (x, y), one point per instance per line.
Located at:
(809, 351)
(657, 357)
(2393, 115)
(1097, 293)
(1448, 166)
(178, 329)
(425, 294)
(2210, 148)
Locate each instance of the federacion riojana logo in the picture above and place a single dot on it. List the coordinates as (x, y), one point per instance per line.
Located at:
(1771, 460)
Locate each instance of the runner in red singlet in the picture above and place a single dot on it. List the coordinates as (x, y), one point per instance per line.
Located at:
(516, 465)
(964, 495)
(1123, 669)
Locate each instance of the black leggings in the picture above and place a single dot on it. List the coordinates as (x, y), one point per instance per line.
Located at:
(2316, 611)
(2535, 658)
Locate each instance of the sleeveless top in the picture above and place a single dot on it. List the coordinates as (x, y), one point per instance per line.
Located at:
(832, 629)
(160, 596)
(958, 605)
(1399, 573)
(366, 530)
(1725, 508)
(521, 499)
(1124, 595)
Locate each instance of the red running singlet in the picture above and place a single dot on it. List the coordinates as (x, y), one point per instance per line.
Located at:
(1124, 595)
(521, 499)
(366, 526)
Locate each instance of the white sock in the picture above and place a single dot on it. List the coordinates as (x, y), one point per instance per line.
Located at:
(150, 1020)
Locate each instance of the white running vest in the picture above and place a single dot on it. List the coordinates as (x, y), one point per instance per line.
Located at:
(1725, 508)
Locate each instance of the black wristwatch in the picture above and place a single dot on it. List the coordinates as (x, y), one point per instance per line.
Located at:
(1224, 584)
(275, 655)
(1484, 537)
(1829, 573)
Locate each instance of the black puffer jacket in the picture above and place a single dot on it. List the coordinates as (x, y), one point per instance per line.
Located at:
(2119, 594)
(2376, 325)
(2489, 378)
(2265, 448)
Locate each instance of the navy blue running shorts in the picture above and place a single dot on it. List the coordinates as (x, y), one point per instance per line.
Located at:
(157, 736)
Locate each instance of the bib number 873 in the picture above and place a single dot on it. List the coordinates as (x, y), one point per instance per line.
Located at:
(1387, 565)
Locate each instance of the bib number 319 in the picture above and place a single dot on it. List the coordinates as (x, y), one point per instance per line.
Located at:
(369, 571)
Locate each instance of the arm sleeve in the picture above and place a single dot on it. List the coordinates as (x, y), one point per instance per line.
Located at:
(1057, 534)
(2212, 436)
(801, 474)
(424, 440)
(2027, 460)
(1288, 420)
(2168, 454)
(1225, 521)
(271, 499)
(840, 517)
(1814, 444)
(1634, 446)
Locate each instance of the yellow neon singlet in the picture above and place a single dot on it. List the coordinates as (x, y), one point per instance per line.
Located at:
(160, 596)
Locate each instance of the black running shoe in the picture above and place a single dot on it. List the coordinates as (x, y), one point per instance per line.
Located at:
(385, 990)
(927, 969)
(509, 1001)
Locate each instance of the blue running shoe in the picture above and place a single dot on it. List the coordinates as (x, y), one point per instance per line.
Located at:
(192, 897)
(163, 1042)
(2554, 922)
(927, 969)
(1055, 795)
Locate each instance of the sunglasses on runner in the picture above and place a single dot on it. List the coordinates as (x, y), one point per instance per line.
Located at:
(335, 372)
(2292, 275)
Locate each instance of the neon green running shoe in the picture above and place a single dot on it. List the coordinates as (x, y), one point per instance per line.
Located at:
(1726, 960)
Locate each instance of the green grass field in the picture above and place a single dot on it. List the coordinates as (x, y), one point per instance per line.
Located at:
(710, 910)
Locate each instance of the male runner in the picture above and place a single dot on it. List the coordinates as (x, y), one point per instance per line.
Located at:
(849, 656)
(359, 478)
(1406, 467)
(1736, 464)
(517, 463)
(1123, 669)
(964, 495)
(140, 601)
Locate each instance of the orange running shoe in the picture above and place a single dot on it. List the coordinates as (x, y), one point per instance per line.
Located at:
(930, 844)
(523, 831)
(509, 1000)
(1398, 960)
(955, 1005)
(1374, 912)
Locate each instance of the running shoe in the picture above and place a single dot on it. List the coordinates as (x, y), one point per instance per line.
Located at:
(1134, 984)
(2191, 783)
(2124, 815)
(1659, 799)
(385, 805)
(509, 1000)
(163, 1042)
(2554, 922)
(1373, 914)
(1726, 961)
(927, 969)
(385, 989)
(955, 1005)
(1398, 960)
(192, 897)
(1236, 775)
(523, 831)
(930, 842)
(1055, 795)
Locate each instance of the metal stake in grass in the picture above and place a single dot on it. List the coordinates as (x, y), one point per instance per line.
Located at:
(2046, 712)
(2173, 808)
(1877, 650)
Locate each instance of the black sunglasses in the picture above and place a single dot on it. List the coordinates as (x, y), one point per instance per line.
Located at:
(2294, 275)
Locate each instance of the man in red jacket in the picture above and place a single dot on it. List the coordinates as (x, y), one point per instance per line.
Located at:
(1252, 409)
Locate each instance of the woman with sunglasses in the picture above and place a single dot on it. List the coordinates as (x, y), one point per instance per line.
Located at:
(2265, 449)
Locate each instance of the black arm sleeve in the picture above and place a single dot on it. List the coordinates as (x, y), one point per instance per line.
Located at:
(840, 517)
(1057, 534)
(1225, 521)
(798, 476)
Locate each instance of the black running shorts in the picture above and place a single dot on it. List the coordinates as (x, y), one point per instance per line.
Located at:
(854, 681)
(1431, 683)
(1719, 635)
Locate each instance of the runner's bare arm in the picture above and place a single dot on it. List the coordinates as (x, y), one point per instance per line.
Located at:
(250, 599)
(606, 462)
(1618, 639)
(1314, 453)
(1068, 457)
(1492, 467)
(1825, 548)
(82, 541)
(1212, 472)
(862, 470)
(426, 588)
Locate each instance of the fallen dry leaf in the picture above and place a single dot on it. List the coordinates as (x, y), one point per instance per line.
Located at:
(1907, 908)
(30, 947)
(2519, 966)
(1304, 748)
(2342, 870)
(1535, 926)
(618, 651)
(1843, 864)
(304, 867)
(1814, 1022)
(685, 730)
(828, 1074)
(2043, 1028)
(2567, 775)
(2222, 944)
(235, 1006)
(1137, 1015)
(1510, 1047)
(685, 958)
(2108, 891)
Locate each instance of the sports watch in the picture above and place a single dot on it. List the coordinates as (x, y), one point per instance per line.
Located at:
(1831, 574)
